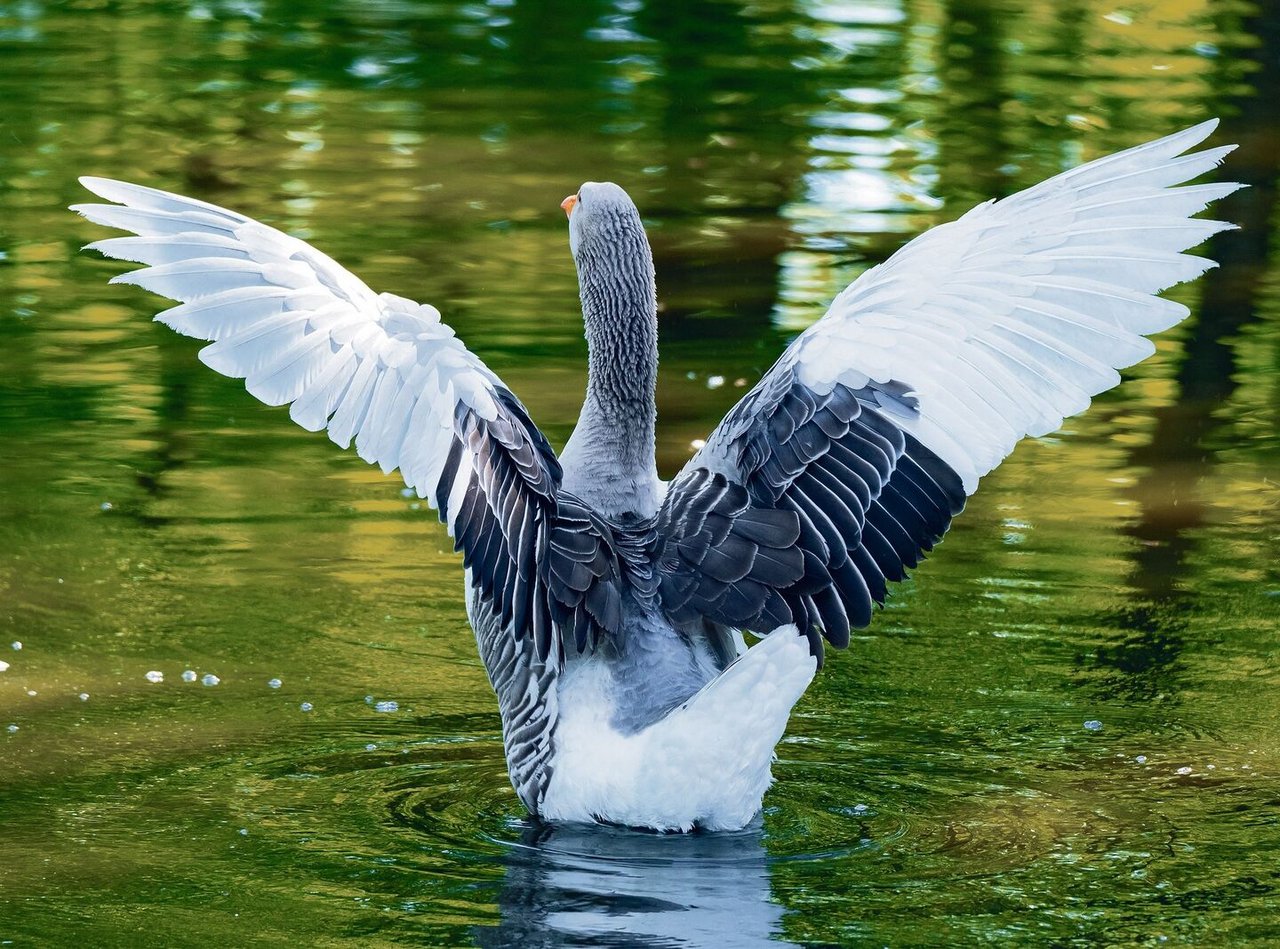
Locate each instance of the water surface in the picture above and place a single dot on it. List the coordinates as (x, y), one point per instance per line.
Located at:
(340, 780)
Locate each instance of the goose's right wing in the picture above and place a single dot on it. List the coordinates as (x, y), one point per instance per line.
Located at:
(386, 372)
(850, 457)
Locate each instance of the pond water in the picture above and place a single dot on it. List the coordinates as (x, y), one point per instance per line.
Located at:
(242, 702)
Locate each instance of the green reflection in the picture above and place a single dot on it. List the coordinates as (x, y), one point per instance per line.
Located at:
(937, 785)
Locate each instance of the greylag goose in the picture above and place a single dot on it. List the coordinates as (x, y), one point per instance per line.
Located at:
(608, 606)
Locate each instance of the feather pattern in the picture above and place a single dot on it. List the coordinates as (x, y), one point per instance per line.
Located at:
(607, 607)
(878, 420)
(1012, 317)
(386, 373)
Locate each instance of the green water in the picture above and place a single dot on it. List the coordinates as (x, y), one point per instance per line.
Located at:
(936, 786)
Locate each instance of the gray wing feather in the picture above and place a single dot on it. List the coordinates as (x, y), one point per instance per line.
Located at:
(527, 700)
(1004, 322)
(545, 561)
(820, 500)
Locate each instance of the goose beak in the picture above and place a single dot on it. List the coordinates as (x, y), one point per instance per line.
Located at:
(569, 204)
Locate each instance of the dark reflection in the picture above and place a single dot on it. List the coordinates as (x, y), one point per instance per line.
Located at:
(536, 52)
(729, 96)
(973, 143)
(605, 886)
(172, 418)
(1181, 451)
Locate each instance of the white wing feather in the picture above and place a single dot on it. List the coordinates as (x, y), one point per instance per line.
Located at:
(298, 327)
(1010, 319)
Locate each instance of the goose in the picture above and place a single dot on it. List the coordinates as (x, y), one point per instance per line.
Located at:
(611, 609)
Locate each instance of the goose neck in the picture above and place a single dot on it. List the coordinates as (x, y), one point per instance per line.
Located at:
(610, 457)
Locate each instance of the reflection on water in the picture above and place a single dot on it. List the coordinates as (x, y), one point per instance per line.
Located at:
(572, 885)
(938, 784)
(1179, 454)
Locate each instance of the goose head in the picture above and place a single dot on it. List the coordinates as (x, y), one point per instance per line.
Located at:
(602, 218)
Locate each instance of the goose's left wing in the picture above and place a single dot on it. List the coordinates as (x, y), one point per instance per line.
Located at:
(850, 457)
(386, 372)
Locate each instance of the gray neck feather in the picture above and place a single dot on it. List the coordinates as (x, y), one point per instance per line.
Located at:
(609, 460)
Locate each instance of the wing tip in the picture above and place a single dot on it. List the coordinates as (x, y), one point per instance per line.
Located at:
(125, 277)
(109, 248)
(1190, 137)
(1203, 129)
(1220, 154)
(93, 182)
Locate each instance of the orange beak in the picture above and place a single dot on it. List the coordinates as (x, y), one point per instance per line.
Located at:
(569, 204)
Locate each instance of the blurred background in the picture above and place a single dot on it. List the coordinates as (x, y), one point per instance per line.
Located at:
(239, 699)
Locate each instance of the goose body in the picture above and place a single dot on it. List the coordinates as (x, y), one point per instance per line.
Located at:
(609, 608)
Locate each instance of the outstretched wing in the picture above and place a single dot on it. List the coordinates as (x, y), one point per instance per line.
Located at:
(387, 373)
(865, 438)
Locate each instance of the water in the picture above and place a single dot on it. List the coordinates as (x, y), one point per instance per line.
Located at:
(944, 780)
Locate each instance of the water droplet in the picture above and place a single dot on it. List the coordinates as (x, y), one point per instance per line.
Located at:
(306, 706)
(388, 706)
(1184, 770)
(1093, 725)
(371, 747)
(1141, 759)
(32, 692)
(368, 700)
(155, 675)
(407, 492)
(12, 729)
(209, 679)
(715, 382)
(4, 666)
(860, 808)
(16, 645)
(106, 506)
(189, 675)
(244, 831)
(84, 696)
(274, 683)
